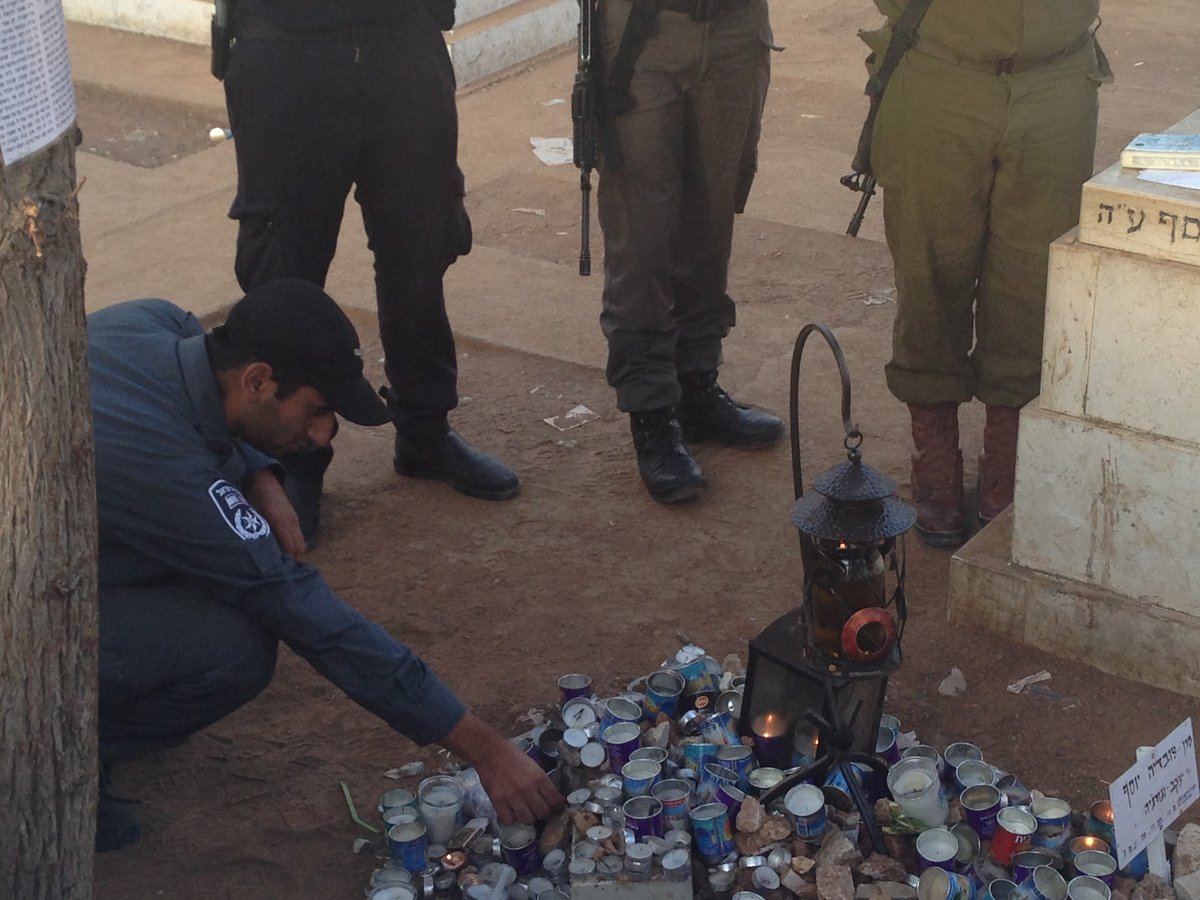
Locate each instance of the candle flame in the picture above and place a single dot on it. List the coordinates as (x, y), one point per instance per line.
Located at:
(769, 725)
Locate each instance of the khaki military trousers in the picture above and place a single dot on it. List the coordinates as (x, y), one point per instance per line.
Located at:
(981, 172)
(687, 158)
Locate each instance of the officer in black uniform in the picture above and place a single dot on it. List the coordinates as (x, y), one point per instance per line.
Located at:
(327, 96)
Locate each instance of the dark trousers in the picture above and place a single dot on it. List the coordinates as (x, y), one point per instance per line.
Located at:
(370, 107)
(173, 660)
(688, 154)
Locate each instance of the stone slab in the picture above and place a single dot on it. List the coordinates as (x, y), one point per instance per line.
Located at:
(1120, 340)
(1115, 634)
(1109, 507)
(1121, 211)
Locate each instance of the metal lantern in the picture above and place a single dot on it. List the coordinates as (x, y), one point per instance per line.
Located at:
(816, 676)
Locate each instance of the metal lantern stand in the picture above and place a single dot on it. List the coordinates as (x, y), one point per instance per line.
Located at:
(852, 516)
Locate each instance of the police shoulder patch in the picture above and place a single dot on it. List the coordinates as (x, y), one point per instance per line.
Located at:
(239, 515)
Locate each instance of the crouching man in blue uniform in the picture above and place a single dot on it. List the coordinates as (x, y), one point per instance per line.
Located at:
(199, 579)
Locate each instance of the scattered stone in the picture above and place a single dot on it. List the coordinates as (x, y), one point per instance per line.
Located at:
(847, 821)
(1118, 895)
(658, 735)
(883, 811)
(1151, 887)
(410, 769)
(836, 850)
(801, 848)
(802, 865)
(1125, 885)
(793, 882)
(835, 883)
(748, 843)
(361, 845)
(1187, 851)
(556, 833)
(1187, 887)
(878, 867)
(750, 817)
(776, 828)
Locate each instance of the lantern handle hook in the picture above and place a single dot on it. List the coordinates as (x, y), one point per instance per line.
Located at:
(854, 437)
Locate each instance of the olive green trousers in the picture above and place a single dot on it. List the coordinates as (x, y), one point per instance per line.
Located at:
(980, 173)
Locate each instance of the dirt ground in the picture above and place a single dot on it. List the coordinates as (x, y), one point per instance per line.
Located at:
(583, 572)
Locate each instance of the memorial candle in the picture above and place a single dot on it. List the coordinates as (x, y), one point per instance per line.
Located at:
(771, 744)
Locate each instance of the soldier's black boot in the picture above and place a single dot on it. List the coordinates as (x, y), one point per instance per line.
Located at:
(706, 411)
(441, 454)
(666, 467)
(117, 822)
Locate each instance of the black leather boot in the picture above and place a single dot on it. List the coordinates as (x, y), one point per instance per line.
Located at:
(666, 467)
(117, 822)
(445, 456)
(706, 411)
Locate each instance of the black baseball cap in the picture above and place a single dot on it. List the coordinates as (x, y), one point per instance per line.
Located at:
(302, 334)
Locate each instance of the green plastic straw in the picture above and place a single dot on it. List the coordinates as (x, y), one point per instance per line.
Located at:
(354, 812)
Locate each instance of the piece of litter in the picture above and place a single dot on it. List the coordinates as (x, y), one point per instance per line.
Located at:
(569, 443)
(1021, 683)
(810, 116)
(360, 845)
(887, 295)
(412, 768)
(529, 209)
(393, 774)
(553, 151)
(906, 739)
(557, 101)
(953, 684)
(572, 418)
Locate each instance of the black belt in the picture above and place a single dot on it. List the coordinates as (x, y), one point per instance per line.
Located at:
(251, 26)
(700, 10)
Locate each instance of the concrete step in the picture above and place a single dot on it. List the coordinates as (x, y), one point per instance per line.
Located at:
(508, 36)
(493, 35)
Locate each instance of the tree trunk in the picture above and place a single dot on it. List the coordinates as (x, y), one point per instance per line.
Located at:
(47, 537)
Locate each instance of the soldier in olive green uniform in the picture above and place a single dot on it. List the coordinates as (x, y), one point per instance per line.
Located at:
(983, 140)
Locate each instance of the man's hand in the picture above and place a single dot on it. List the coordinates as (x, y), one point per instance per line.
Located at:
(266, 495)
(516, 785)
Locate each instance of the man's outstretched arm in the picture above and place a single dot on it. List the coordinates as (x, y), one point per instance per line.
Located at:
(516, 785)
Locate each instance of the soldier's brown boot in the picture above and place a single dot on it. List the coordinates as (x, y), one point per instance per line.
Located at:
(937, 474)
(998, 461)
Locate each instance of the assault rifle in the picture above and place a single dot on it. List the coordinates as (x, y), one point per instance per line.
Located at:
(857, 181)
(585, 116)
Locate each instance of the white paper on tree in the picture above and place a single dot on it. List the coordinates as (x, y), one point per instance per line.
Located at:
(37, 97)
(1152, 794)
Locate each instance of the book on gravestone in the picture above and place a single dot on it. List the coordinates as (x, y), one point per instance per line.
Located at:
(1163, 151)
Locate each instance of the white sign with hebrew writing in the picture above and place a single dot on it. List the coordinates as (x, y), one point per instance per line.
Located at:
(1153, 793)
(37, 98)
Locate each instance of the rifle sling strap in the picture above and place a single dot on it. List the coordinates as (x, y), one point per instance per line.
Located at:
(904, 34)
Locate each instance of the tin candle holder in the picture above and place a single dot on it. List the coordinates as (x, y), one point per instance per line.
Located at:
(1100, 821)
(1085, 843)
(771, 744)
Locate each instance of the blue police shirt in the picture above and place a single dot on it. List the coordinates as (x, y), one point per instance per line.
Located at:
(169, 478)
